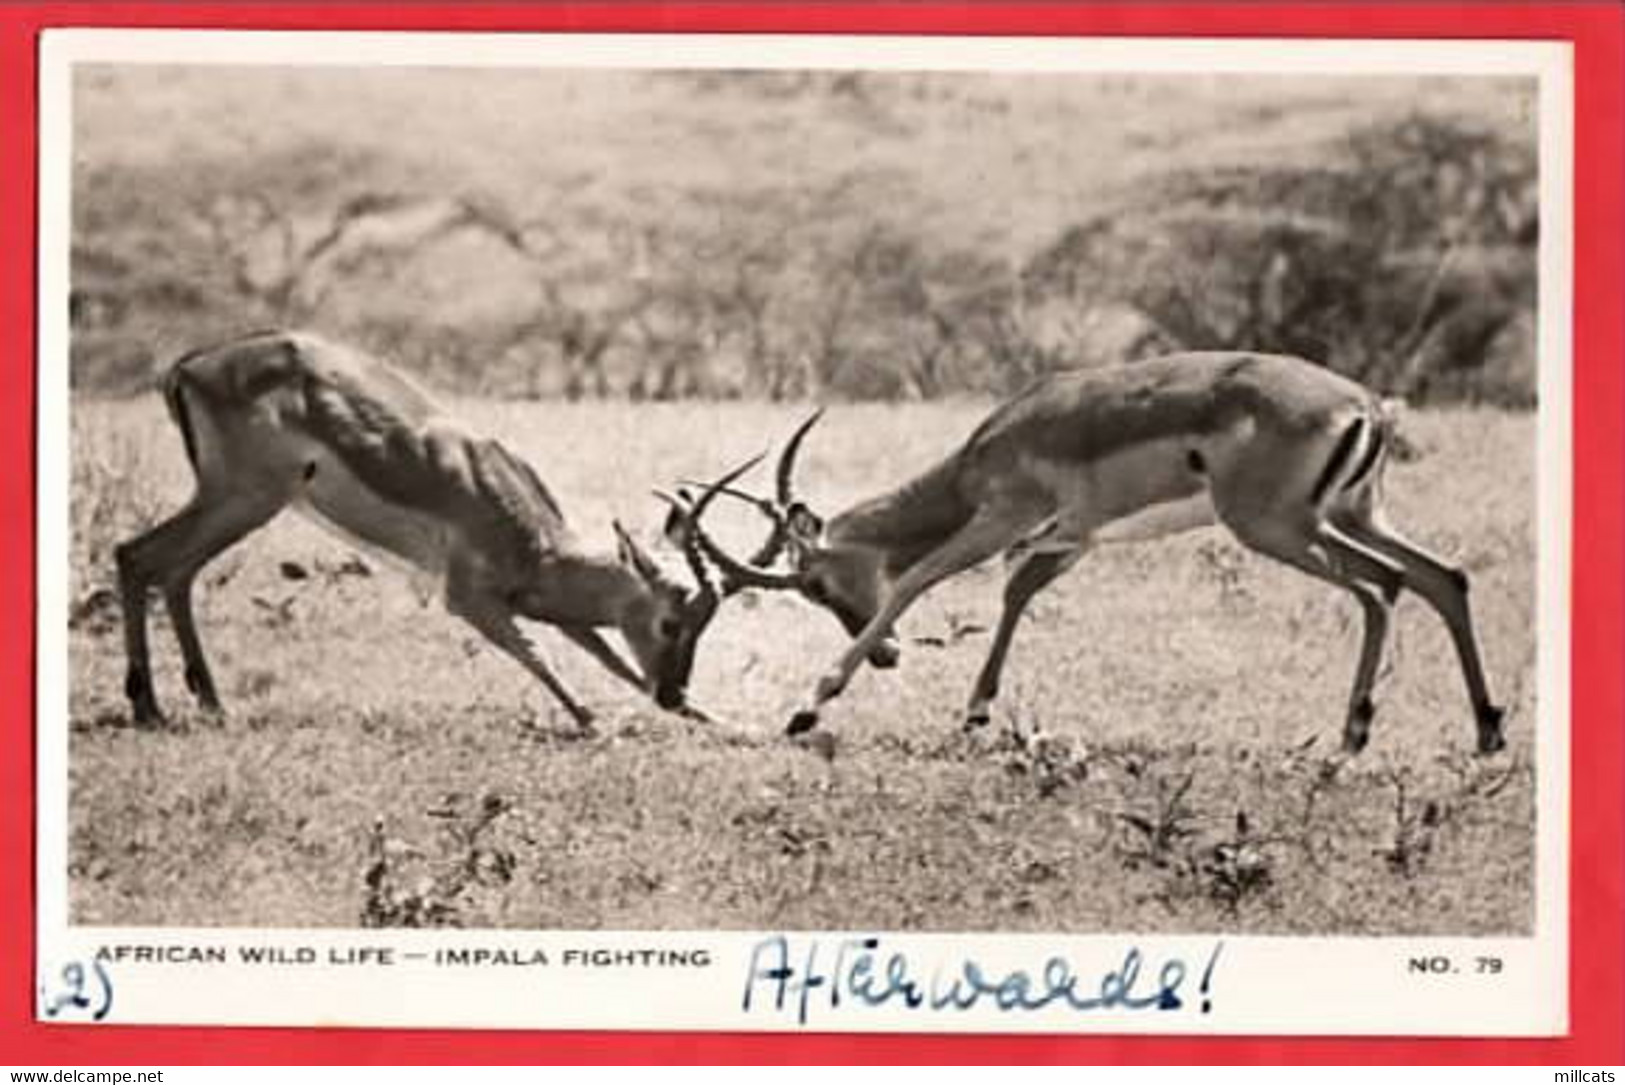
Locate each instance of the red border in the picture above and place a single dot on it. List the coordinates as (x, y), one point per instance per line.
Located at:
(1598, 859)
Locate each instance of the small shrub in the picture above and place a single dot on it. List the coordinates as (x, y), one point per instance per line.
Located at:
(406, 888)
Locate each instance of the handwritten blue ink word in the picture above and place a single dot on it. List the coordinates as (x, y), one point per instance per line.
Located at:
(79, 993)
(809, 977)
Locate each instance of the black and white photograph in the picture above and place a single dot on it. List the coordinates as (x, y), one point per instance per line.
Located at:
(997, 494)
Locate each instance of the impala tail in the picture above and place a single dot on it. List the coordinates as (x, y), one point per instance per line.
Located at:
(1354, 460)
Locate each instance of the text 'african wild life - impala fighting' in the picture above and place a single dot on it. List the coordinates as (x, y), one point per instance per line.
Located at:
(1286, 454)
(278, 418)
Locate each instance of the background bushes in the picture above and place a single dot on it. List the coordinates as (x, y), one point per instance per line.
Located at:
(657, 236)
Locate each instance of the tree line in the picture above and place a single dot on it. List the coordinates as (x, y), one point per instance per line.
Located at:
(1402, 254)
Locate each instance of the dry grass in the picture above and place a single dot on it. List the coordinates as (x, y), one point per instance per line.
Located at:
(380, 766)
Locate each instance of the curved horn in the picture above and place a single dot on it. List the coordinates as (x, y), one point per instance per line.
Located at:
(787, 460)
(773, 545)
(737, 573)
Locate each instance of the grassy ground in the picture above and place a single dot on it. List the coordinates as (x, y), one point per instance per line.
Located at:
(379, 766)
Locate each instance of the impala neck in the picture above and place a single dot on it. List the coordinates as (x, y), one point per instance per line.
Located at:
(905, 523)
(583, 589)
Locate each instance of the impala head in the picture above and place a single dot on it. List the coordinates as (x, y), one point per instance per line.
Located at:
(663, 622)
(846, 579)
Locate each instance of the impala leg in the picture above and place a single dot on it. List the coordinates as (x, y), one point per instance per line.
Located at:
(178, 601)
(222, 525)
(1444, 587)
(1354, 559)
(171, 555)
(495, 622)
(989, 531)
(1035, 571)
(1373, 581)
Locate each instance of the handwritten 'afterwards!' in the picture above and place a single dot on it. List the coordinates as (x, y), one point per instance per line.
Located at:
(807, 977)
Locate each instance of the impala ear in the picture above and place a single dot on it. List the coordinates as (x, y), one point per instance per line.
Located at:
(675, 529)
(634, 556)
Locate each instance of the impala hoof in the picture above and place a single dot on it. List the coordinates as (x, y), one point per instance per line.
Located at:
(148, 719)
(1357, 732)
(202, 687)
(977, 718)
(802, 722)
(143, 705)
(829, 687)
(1491, 738)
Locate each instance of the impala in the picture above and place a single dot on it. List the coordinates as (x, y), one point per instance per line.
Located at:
(1285, 454)
(278, 419)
